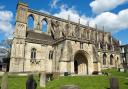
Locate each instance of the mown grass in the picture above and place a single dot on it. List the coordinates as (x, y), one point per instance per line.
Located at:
(91, 82)
(84, 82)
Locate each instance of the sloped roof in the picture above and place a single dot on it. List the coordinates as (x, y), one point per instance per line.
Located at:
(39, 37)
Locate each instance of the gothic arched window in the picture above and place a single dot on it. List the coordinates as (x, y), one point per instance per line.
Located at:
(111, 59)
(44, 25)
(104, 59)
(50, 54)
(33, 53)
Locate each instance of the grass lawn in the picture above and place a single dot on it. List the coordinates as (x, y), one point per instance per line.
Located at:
(84, 82)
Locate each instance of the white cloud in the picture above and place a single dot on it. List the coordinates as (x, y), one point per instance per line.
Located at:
(6, 27)
(43, 11)
(6, 15)
(74, 16)
(99, 6)
(111, 22)
(53, 3)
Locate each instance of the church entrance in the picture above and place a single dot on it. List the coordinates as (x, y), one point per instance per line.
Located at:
(80, 63)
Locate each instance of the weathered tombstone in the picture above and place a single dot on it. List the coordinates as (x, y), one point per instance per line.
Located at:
(56, 75)
(43, 79)
(31, 83)
(122, 69)
(4, 82)
(69, 87)
(114, 83)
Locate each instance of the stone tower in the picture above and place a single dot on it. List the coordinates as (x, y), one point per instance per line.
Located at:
(18, 46)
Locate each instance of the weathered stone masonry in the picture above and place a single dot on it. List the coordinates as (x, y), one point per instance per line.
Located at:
(66, 46)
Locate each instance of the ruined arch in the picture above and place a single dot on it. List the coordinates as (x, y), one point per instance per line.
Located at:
(83, 33)
(81, 62)
(44, 25)
(55, 25)
(65, 31)
(30, 21)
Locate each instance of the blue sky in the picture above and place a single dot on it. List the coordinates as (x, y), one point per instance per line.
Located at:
(110, 14)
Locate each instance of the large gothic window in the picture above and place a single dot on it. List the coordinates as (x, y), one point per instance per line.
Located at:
(44, 25)
(111, 59)
(30, 22)
(104, 59)
(33, 53)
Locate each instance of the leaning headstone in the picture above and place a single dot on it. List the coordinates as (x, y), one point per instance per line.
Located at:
(69, 87)
(43, 79)
(4, 82)
(114, 83)
(31, 83)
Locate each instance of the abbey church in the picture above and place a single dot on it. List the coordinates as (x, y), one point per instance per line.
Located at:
(66, 46)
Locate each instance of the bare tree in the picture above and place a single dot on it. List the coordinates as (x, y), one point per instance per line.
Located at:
(6, 44)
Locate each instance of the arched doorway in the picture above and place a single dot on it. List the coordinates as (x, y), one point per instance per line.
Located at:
(76, 67)
(80, 63)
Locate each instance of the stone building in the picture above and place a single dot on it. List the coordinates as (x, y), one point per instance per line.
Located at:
(124, 55)
(66, 46)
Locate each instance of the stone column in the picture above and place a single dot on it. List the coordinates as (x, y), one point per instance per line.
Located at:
(72, 67)
(99, 66)
(108, 61)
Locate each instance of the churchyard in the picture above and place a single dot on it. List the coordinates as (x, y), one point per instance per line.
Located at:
(83, 82)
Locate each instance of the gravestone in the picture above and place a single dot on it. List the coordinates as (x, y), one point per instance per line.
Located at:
(114, 83)
(43, 79)
(69, 87)
(121, 69)
(4, 82)
(31, 83)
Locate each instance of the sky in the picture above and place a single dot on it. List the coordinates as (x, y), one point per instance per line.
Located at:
(112, 15)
